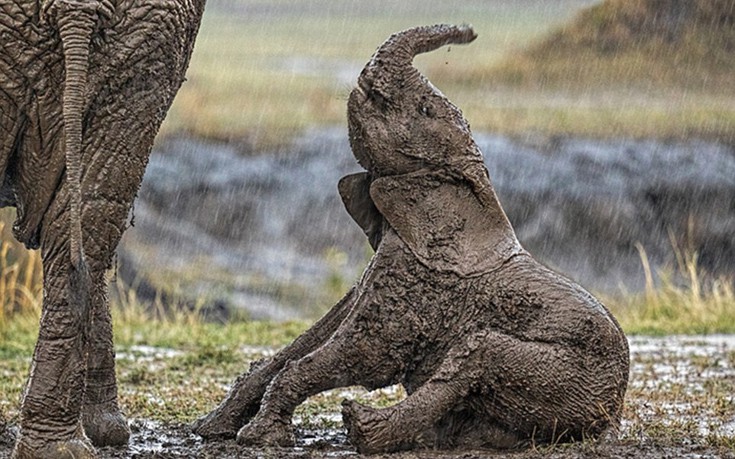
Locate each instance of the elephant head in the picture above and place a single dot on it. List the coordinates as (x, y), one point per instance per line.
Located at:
(414, 142)
(398, 121)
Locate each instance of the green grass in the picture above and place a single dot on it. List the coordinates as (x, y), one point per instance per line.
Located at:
(265, 71)
(262, 72)
(172, 367)
(684, 302)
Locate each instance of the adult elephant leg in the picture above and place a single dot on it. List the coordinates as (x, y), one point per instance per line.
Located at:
(103, 421)
(139, 86)
(52, 401)
(112, 182)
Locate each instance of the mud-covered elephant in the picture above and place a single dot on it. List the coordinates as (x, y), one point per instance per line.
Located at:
(494, 349)
(84, 87)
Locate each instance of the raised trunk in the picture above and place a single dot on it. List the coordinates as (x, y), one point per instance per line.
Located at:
(390, 69)
(400, 48)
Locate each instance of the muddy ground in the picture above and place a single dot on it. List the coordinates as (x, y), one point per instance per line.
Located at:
(680, 404)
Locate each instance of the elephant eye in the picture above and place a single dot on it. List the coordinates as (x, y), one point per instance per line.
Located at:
(427, 110)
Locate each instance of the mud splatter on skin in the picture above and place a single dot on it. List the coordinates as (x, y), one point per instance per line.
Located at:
(493, 349)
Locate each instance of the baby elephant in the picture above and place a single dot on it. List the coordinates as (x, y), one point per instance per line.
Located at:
(493, 349)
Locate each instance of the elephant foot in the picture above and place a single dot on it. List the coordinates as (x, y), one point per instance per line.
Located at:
(371, 430)
(263, 434)
(216, 426)
(105, 425)
(77, 447)
(223, 422)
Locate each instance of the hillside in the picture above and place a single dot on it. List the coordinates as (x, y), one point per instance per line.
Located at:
(646, 43)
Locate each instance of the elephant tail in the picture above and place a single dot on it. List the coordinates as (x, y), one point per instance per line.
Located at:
(76, 25)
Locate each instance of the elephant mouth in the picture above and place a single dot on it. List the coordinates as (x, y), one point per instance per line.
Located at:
(357, 136)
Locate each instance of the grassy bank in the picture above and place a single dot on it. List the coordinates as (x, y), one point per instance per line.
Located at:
(685, 301)
(262, 71)
(647, 68)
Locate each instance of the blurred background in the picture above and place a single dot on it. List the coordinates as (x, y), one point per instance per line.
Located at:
(608, 128)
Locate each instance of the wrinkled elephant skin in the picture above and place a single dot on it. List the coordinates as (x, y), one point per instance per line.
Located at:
(493, 349)
(84, 87)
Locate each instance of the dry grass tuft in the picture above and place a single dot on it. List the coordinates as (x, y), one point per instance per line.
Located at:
(20, 279)
(683, 302)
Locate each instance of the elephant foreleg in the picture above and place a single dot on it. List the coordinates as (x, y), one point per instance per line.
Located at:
(244, 398)
(338, 363)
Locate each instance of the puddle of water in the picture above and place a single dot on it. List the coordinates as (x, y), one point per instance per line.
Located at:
(151, 437)
(142, 353)
(258, 352)
(683, 384)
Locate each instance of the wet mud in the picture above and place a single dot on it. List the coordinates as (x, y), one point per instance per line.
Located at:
(680, 404)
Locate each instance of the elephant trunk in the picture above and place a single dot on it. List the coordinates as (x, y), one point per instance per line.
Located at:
(391, 65)
(403, 46)
(75, 28)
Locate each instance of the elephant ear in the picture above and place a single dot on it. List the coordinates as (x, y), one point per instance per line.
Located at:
(355, 192)
(446, 224)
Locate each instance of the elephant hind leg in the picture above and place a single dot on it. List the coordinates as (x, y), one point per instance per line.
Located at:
(412, 422)
(493, 390)
(544, 392)
(463, 428)
(102, 419)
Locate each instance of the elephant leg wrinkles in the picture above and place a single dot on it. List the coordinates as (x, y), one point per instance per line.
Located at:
(103, 421)
(338, 363)
(479, 397)
(406, 424)
(52, 401)
(244, 398)
(126, 93)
